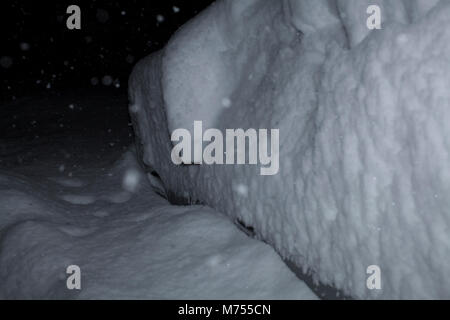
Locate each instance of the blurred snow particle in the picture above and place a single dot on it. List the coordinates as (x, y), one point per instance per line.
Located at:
(71, 106)
(129, 59)
(49, 85)
(241, 189)
(123, 13)
(160, 18)
(131, 180)
(402, 39)
(226, 103)
(94, 81)
(214, 261)
(176, 9)
(117, 83)
(102, 15)
(6, 62)
(24, 46)
(62, 168)
(134, 108)
(107, 80)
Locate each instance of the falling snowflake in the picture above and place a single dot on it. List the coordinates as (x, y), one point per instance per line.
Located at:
(24, 46)
(226, 103)
(6, 62)
(131, 180)
(160, 18)
(107, 80)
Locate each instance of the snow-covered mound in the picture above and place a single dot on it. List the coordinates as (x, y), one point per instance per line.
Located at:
(128, 242)
(364, 137)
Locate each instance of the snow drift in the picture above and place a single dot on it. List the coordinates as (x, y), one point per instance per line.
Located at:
(364, 137)
(128, 242)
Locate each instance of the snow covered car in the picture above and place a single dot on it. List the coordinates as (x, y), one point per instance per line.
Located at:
(363, 115)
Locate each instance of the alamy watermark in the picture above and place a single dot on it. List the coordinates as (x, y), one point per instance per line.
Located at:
(373, 281)
(73, 22)
(73, 281)
(237, 143)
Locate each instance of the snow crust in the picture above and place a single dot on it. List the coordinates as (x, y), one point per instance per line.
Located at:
(363, 117)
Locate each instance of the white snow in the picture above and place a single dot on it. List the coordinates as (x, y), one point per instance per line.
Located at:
(133, 247)
(363, 118)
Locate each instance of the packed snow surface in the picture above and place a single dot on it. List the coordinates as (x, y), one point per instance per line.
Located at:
(59, 209)
(364, 137)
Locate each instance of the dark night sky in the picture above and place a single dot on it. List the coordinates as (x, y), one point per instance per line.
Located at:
(39, 54)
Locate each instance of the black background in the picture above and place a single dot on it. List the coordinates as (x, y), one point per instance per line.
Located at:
(114, 35)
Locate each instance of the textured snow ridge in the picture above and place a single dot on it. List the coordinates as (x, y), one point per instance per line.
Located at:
(364, 136)
(141, 249)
